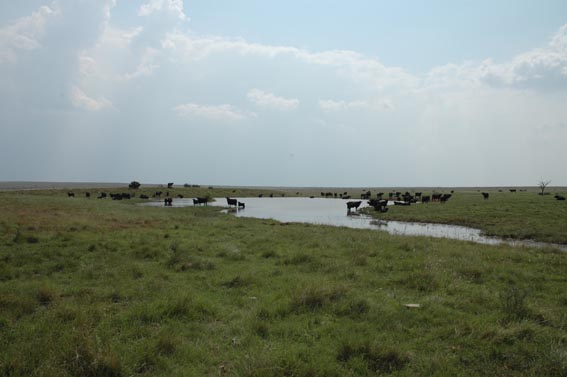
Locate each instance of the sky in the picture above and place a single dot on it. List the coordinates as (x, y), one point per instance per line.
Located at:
(261, 93)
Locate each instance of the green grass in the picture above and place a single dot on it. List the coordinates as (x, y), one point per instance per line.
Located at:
(521, 215)
(106, 288)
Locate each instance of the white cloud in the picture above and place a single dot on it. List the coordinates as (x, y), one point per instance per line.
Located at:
(212, 112)
(261, 98)
(542, 68)
(146, 66)
(174, 6)
(82, 101)
(24, 33)
(333, 105)
(348, 63)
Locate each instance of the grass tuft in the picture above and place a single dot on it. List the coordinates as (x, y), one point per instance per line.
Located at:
(513, 304)
(377, 360)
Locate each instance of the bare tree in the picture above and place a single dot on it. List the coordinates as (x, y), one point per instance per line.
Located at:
(542, 185)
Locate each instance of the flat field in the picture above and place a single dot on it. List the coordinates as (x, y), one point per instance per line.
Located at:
(107, 288)
(520, 215)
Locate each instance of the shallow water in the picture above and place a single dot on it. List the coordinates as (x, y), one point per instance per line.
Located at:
(334, 212)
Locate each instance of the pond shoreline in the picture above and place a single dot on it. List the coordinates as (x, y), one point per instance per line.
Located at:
(320, 211)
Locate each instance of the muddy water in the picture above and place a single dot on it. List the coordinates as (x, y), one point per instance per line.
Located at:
(334, 212)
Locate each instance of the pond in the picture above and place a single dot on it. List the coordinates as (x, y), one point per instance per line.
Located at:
(334, 212)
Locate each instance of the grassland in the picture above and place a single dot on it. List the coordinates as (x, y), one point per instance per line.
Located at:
(106, 288)
(520, 215)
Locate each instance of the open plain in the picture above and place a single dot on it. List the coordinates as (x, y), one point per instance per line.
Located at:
(100, 287)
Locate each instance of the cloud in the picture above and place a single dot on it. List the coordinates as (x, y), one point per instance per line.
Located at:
(268, 99)
(82, 101)
(24, 33)
(333, 105)
(348, 63)
(146, 66)
(174, 6)
(212, 112)
(542, 69)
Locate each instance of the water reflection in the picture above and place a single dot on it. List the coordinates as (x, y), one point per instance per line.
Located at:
(334, 212)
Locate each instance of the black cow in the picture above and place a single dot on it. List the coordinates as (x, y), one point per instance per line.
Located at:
(485, 195)
(144, 196)
(102, 195)
(559, 197)
(158, 194)
(87, 194)
(231, 202)
(425, 199)
(170, 185)
(512, 190)
(379, 204)
(180, 196)
(445, 197)
(354, 205)
(168, 202)
(241, 205)
(71, 194)
(418, 195)
(200, 200)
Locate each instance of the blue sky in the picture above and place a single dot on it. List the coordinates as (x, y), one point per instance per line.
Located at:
(319, 93)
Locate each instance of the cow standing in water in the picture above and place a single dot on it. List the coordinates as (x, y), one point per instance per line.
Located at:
(354, 205)
(200, 201)
(231, 202)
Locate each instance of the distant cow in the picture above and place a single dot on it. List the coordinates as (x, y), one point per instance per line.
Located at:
(354, 205)
(200, 201)
(143, 196)
(168, 202)
(485, 195)
(559, 197)
(102, 195)
(512, 190)
(158, 194)
(180, 196)
(445, 197)
(170, 185)
(241, 205)
(379, 204)
(87, 194)
(425, 199)
(71, 194)
(231, 202)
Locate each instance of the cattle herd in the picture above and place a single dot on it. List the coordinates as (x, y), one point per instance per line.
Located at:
(379, 203)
